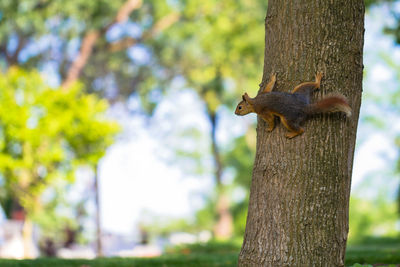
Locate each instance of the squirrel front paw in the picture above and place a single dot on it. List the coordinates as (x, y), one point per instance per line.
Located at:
(319, 75)
(270, 128)
(272, 77)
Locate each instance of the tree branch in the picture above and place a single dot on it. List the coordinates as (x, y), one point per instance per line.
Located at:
(90, 40)
(161, 25)
(122, 44)
(3, 50)
(158, 27)
(12, 59)
(21, 44)
(80, 61)
(126, 9)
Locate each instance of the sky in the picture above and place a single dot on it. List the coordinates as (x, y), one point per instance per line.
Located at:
(136, 179)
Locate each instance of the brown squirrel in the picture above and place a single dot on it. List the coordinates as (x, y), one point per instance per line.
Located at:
(292, 108)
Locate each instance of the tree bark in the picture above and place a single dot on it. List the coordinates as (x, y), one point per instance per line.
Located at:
(299, 197)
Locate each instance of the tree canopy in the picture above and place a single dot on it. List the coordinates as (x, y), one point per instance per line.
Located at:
(45, 135)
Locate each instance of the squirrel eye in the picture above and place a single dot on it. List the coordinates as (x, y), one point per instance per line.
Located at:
(240, 107)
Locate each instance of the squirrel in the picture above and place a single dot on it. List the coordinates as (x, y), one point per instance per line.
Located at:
(292, 108)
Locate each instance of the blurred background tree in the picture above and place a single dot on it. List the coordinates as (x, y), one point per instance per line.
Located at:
(380, 110)
(46, 134)
(95, 42)
(117, 47)
(207, 50)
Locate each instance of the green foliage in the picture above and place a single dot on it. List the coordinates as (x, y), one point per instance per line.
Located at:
(36, 18)
(46, 134)
(241, 156)
(59, 215)
(369, 3)
(29, 21)
(206, 216)
(366, 218)
(162, 226)
(217, 43)
(216, 247)
(48, 34)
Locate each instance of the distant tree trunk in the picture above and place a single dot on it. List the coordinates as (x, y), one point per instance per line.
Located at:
(99, 244)
(299, 197)
(27, 236)
(224, 225)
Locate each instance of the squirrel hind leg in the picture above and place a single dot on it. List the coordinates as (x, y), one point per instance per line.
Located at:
(318, 77)
(294, 128)
(270, 85)
(290, 135)
(309, 87)
(305, 88)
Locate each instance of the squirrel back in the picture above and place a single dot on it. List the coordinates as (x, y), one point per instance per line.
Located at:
(280, 102)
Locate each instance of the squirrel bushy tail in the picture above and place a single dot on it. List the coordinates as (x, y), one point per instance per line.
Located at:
(329, 104)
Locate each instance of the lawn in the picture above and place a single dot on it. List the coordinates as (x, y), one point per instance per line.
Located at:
(374, 251)
(192, 260)
(369, 252)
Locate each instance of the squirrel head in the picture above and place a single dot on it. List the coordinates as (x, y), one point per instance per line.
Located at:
(245, 106)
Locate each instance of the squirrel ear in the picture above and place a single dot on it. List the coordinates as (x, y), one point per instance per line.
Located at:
(247, 98)
(244, 99)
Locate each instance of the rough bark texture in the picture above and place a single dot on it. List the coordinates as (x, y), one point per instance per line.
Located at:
(299, 197)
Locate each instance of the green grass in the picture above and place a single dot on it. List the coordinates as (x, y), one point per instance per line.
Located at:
(367, 252)
(191, 260)
(372, 250)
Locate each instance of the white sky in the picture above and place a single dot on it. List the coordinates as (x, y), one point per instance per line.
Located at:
(133, 180)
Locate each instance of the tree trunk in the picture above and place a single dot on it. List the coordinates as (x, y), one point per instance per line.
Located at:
(299, 197)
